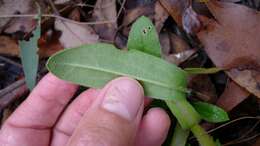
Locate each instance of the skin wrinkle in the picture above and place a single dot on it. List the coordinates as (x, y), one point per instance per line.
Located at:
(60, 131)
(33, 127)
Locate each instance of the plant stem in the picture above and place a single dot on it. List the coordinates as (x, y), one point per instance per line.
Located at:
(202, 136)
(186, 115)
(180, 136)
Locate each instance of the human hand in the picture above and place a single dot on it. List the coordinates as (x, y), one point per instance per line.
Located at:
(112, 116)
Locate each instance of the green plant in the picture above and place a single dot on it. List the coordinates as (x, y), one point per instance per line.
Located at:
(96, 64)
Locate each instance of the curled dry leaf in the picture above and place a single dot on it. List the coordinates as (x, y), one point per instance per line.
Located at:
(160, 16)
(190, 21)
(183, 13)
(11, 7)
(176, 8)
(134, 13)
(232, 42)
(105, 10)
(174, 49)
(74, 35)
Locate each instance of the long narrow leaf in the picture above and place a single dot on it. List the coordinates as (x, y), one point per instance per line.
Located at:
(95, 65)
(210, 112)
(30, 57)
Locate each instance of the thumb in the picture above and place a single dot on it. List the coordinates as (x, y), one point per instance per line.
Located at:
(114, 117)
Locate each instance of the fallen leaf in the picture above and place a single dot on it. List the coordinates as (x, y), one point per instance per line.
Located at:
(174, 49)
(9, 46)
(49, 44)
(203, 85)
(75, 14)
(133, 14)
(183, 14)
(190, 21)
(105, 10)
(160, 16)
(11, 7)
(74, 35)
(176, 8)
(178, 44)
(257, 143)
(227, 49)
(232, 96)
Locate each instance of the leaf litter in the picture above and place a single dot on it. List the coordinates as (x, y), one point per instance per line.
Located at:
(227, 32)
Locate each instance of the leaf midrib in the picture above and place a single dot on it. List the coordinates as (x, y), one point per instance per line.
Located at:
(123, 74)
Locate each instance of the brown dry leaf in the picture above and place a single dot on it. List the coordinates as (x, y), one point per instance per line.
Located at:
(74, 35)
(176, 8)
(9, 46)
(105, 10)
(10, 7)
(183, 14)
(133, 14)
(232, 96)
(233, 42)
(174, 49)
(203, 85)
(49, 44)
(160, 16)
(257, 143)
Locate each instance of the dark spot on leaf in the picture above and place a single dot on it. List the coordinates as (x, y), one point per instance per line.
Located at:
(149, 27)
(144, 31)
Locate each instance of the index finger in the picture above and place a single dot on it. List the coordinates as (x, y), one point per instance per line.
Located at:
(44, 105)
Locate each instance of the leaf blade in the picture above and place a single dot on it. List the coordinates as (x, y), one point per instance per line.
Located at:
(210, 112)
(91, 59)
(30, 58)
(143, 37)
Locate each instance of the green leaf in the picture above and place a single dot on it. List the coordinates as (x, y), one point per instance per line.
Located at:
(180, 136)
(143, 37)
(30, 57)
(94, 65)
(202, 70)
(218, 142)
(210, 112)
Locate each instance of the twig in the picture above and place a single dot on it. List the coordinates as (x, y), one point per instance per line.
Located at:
(233, 121)
(121, 8)
(11, 87)
(13, 94)
(242, 140)
(11, 62)
(59, 17)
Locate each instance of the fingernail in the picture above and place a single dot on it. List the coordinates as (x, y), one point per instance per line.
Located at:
(124, 98)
